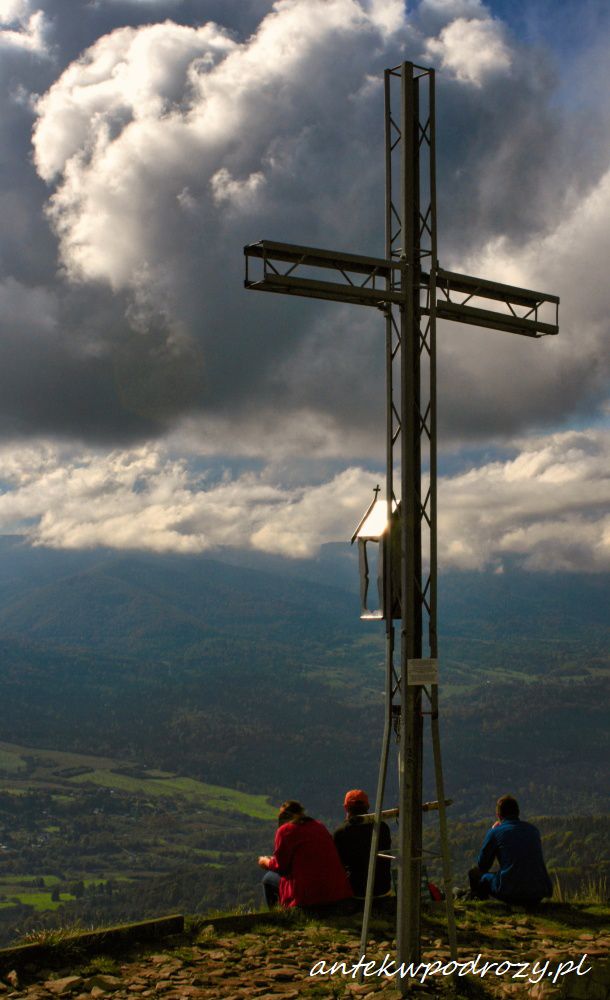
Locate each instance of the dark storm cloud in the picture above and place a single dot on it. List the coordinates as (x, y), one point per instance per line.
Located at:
(27, 247)
(62, 383)
(165, 150)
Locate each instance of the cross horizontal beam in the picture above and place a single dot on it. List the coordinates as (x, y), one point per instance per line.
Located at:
(522, 304)
(363, 280)
(313, 289)
(316, 257)
(375, 281)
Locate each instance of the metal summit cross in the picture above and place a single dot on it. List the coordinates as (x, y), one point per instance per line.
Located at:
(412, 291)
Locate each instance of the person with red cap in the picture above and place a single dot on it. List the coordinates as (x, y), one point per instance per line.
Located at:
(304, 869)
(353, 842)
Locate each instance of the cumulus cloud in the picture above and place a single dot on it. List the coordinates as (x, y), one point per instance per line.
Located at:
(446, 10)
(22, 28)
(388, 15)
(161, 148)
(545, 508)
(146, 499)
(470, 49)
(239, 193)
(151, 110)
(168, 146)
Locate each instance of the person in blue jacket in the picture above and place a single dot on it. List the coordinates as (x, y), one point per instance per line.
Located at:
(522, 877)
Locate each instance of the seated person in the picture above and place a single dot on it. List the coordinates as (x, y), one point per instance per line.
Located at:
(304, 869)
(353, 842)
(522, 877)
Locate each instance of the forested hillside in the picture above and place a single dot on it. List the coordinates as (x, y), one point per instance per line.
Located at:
(252, 680)
(186, 674)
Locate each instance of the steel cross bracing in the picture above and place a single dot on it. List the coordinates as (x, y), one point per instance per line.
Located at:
(412, 291)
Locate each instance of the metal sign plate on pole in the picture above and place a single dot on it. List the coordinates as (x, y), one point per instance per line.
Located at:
(422, 672)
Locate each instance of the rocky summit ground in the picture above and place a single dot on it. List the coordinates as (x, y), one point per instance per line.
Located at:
(275, 960)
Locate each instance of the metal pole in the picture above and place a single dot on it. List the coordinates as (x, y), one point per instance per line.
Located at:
(432, 622)
(383, 769)
(388, 547)
(442, 822)
(433, 634)
(410, 747)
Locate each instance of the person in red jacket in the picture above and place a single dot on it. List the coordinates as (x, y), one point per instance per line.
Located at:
(305, 868)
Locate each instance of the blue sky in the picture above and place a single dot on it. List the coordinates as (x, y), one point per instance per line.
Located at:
(148, 401)
(564, 26)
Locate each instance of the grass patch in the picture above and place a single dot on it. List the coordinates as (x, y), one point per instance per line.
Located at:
(56, 771)
(104, 879)
(16, 880)
(41, 901)
(264, 930)
(323, 990)
(212, 796)
(51, 935)
(593, 889)
(56, 758)
(11, 762)
(101, 965)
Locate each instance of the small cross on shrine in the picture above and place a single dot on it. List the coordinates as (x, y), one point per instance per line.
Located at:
(412, 291)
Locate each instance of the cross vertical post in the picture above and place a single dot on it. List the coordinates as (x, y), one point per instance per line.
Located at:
(412, 242)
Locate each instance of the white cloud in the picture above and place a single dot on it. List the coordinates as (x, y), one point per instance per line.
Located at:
(452, 9)
(547, 508)
(238, 193)
(471, 49)
(112, 126)
(15, 12)
(22, 28)
(148, 112)
(321, 514)
(389, 16)
(146, 499)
